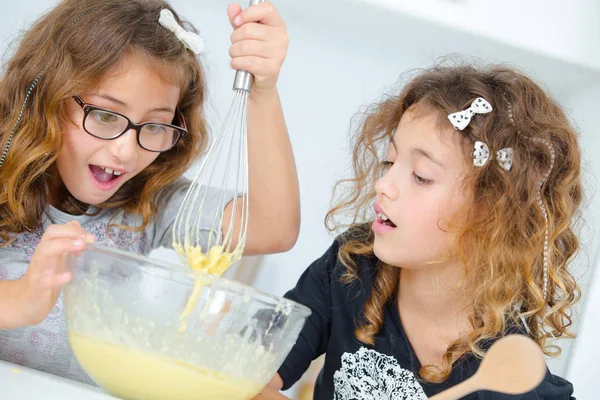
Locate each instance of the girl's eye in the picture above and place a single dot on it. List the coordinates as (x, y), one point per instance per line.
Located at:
(152, 128)
(387, 164)
(420, 180)
(105, 117)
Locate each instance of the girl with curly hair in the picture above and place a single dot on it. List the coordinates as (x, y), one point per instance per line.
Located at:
(461, 213)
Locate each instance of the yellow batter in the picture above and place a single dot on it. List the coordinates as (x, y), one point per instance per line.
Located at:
(134, 375)
(191, 303)
(216, 262)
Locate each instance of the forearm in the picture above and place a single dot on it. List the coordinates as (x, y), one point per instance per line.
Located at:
(273, 180)
(12, 314)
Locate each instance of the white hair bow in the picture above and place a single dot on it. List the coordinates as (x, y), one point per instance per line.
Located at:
(190, 40)
(461, 119)
(481, 155)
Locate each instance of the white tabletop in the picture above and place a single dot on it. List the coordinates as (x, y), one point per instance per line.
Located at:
(18, 382)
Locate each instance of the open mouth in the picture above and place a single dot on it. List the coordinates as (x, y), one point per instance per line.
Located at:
(384, 220)
(105, 178)
(104, 174)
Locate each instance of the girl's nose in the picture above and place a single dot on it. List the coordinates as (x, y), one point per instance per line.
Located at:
(125, 148)
(385, 186)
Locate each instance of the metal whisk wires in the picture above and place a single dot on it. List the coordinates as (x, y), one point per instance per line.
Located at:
(231, 146)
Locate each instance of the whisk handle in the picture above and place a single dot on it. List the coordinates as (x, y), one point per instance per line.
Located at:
(243, 79)
(253, 2)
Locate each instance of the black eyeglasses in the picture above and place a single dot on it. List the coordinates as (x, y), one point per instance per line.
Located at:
(152, 136)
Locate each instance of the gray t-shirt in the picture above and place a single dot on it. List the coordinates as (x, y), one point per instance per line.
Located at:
(45, 346)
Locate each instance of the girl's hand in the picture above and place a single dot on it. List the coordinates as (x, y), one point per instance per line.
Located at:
(259, 43)
(270, 394)
(48, 272)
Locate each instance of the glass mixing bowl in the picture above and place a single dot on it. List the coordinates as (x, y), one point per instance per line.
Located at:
(125, 325)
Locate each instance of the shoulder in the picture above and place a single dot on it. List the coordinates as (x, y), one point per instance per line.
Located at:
(177, 187)
(349, 255)
(553, 387)
(341, 270)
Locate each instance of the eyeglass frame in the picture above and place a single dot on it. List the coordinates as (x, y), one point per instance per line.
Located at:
(87, 108)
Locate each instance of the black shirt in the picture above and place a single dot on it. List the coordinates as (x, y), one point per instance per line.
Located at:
(356, 371)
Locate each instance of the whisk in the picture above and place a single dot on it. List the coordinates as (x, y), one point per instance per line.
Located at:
(193, 213)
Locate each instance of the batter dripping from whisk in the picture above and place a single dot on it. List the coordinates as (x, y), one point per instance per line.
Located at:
(216, 262)
(230, 145)
(187, 233)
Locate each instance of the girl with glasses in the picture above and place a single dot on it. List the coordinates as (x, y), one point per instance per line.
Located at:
(101, 113)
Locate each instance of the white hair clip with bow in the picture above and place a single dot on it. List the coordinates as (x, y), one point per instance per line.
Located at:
(460, 120)
(190, 39)
(482, 154)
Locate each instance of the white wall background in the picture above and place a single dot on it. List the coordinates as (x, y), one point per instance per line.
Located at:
(583, 368)
(345, 53)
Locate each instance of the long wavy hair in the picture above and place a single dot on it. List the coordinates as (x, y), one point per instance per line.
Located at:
(72, 48)
(500, 239)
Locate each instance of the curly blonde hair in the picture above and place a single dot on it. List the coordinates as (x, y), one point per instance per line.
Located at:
(502, 241)
(71, 49)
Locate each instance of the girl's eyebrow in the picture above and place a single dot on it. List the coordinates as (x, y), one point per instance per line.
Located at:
(123, 104)
(420, 152)
(424, 153)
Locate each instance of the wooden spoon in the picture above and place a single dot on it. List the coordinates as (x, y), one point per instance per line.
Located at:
(513, 365)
